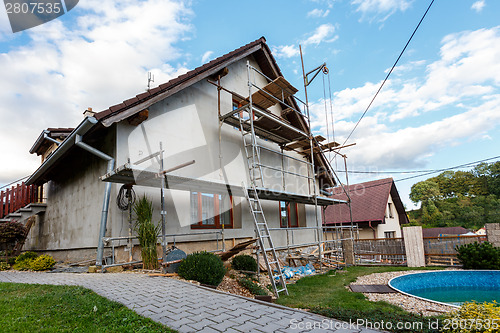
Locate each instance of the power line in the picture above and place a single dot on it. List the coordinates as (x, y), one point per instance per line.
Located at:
(388, 74)
(14, 182)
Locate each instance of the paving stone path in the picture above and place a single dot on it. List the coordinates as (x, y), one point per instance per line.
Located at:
(189, 308)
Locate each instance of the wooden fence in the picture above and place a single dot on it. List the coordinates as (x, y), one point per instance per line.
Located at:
(439, 251)
(18, 196)
(388, 251)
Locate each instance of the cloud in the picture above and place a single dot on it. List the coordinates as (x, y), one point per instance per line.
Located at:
(206, 56)
(318, 13)
(285, 51)
(478, 5)
(323, 33)
(99, 59)
(380, 10)
(463, 84)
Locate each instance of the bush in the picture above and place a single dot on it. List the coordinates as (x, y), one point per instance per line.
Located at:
(29, 255)
(42, 263)
(244, 262)
(11, 231)
(253, 287)
(4, 266)
(479, 256)
(473, 317)
(204, 267)
(24, 260)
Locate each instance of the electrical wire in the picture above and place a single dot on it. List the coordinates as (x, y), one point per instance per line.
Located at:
(388, 74)
(126, 197)
(14, 182)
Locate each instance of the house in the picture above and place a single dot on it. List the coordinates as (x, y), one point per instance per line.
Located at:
(201, 147)
(377, 209)
(445, 231)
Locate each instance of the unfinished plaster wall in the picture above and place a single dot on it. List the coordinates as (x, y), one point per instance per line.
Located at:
(74, 204)
(187, 125)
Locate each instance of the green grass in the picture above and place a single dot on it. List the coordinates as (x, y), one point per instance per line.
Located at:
(43, 308)
(327, 294)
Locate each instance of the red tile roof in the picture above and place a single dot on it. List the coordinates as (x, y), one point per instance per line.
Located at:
(195, 73)
(368, 203)
(436, 232)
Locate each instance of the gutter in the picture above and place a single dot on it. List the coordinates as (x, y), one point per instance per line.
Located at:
(75, 139)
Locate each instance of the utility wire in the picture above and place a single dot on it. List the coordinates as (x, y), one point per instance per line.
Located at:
(388, 74)
(14, 182)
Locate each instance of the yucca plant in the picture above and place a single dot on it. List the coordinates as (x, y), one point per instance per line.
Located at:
(147, 232)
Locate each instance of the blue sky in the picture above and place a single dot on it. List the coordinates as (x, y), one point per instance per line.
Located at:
(440, 107)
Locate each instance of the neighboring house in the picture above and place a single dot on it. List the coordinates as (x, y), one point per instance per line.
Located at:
(193, 122)
(481, 231)
(376, 207)
(446, 231)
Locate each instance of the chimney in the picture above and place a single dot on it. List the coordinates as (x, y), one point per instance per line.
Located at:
(88, 113)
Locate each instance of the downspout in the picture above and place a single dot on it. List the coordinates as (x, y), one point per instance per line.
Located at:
(107, 194)
(47, 137)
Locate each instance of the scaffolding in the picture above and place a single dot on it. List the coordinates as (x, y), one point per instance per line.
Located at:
(259, 127)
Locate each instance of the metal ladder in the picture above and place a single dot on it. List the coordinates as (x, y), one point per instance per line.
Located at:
(266, 245)
(252, 151)
(265, 242)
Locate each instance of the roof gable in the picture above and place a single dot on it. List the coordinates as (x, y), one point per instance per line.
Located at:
(368, 203)
(129, 107)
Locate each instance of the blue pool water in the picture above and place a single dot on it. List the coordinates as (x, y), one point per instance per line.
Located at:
(452, 287)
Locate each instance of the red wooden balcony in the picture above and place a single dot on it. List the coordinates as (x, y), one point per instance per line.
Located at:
(19, 196)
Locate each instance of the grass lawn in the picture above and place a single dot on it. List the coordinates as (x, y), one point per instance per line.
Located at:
(44, 308)
(327, 295)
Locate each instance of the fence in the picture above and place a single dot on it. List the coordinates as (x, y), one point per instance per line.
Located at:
(386, 251)
(18, 196)
(440, 251)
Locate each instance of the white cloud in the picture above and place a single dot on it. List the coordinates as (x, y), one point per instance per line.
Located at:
(323, 33)
(100, 60)
(318, 13)
(478, 5)
(285, 51)
(206, 56)
(464, 83)
(380, 9)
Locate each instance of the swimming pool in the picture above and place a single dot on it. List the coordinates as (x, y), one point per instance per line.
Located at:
(450, 287)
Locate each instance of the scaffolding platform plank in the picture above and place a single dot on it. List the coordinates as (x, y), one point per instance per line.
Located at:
(280, 89)
(125, 174)
(267, 125)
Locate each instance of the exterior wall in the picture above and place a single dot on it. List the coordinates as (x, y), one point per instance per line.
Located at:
(391, 223)
(74, 203)
(187, 126)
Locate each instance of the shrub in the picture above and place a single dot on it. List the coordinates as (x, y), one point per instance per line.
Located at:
(4, 266)
(204, 267)
(11, 231)
(24, 260)
(244, 262)
(253, 287)
(473, 317)
(28, 255)
(147, 232)
(479, 256)
(42, 263)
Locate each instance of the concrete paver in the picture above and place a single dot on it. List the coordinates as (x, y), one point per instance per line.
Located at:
(186, 307)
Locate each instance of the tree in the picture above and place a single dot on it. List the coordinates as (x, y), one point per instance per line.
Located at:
(423, 191)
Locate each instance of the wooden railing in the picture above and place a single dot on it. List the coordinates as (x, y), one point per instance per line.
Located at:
(19, 196)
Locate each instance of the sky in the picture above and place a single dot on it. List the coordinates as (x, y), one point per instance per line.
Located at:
(439, 108)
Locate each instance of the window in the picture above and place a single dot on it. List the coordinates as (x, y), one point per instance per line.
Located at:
(211, 211)
(289, 217)
(389, 207)
(390, 234)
